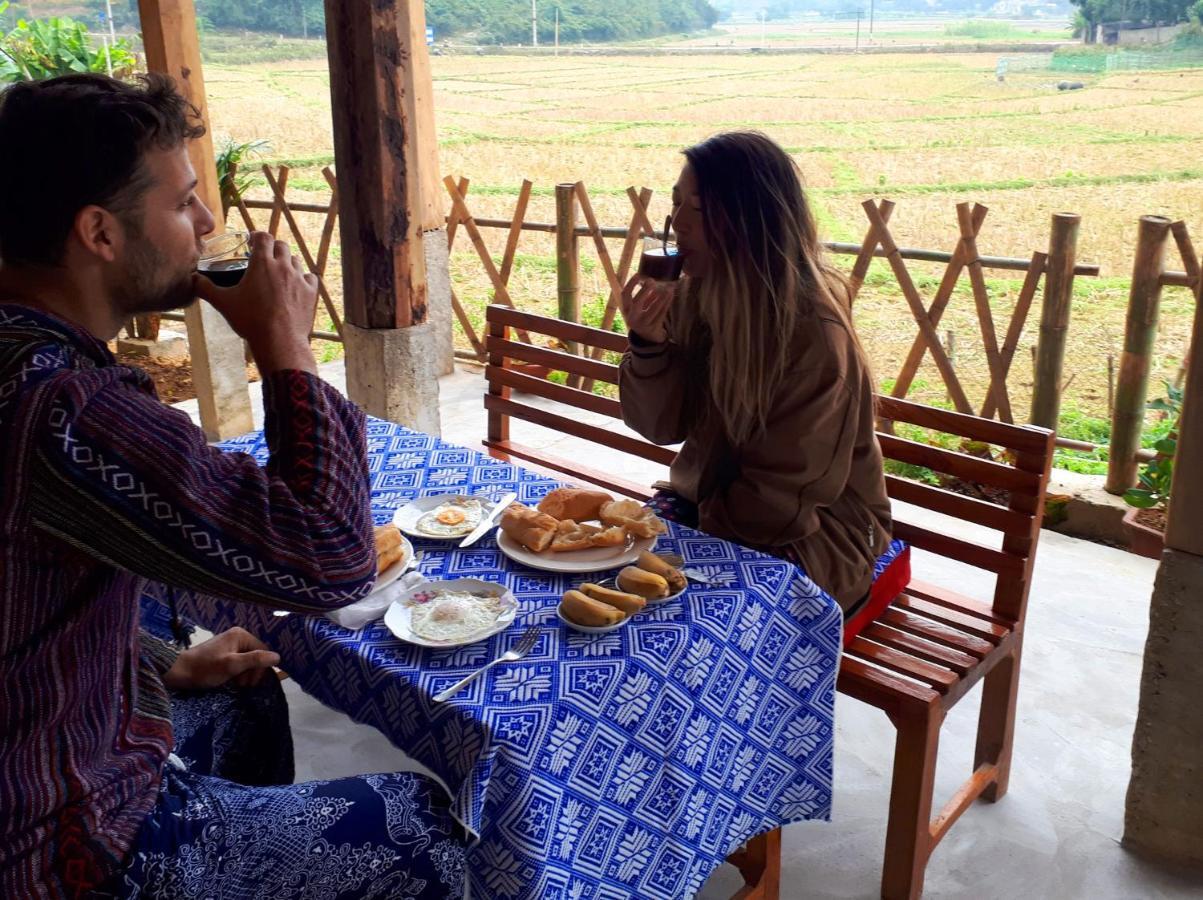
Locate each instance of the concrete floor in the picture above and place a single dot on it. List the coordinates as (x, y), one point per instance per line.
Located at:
(1055, 835)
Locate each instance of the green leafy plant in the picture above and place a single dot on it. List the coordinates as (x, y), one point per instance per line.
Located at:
(234, 182)
(45, 48)
(1153, 483)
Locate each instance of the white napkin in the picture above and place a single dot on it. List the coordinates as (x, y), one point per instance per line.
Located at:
(375, 604)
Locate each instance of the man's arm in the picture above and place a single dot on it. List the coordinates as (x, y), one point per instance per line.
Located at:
(133, 483)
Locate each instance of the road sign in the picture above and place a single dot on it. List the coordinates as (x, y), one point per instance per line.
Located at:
(429, 35)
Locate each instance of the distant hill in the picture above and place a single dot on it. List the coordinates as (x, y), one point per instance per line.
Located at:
(784, 9)
(483, 21)
(509, 21)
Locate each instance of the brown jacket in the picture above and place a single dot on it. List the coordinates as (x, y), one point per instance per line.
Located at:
(812, 483)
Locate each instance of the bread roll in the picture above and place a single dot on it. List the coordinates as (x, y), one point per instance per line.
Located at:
(628, 603)
(650, 562)
(389, 558)
(637, 520)
(571, 536)
(389, 549)
(574, 503)
(646, 584)
(587, 611)
(533, 530)
(387, 537)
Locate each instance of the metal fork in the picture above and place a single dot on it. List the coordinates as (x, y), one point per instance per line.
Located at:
(520, 649)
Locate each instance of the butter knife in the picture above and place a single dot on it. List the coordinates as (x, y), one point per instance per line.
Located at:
(487, 523)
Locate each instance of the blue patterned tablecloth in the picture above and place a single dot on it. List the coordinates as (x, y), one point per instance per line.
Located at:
(628, 764)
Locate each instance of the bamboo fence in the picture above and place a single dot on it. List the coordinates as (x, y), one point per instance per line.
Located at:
(1049, 275)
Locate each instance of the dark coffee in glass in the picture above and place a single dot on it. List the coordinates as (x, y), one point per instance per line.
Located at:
(224, 272)
(224, 258)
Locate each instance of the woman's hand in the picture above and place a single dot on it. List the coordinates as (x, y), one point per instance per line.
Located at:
(645, 306)
(234, 655)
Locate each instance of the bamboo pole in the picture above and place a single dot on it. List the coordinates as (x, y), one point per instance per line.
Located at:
(1140, 331)
(1054, 320)
(568, 262)
(1184, 527)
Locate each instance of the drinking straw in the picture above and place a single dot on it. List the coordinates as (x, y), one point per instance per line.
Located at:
(668, 223)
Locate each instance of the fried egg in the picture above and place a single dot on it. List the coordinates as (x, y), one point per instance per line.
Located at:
(454, 615)
(453, 518)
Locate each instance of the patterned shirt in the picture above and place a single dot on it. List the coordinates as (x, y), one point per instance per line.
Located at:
(105, 489)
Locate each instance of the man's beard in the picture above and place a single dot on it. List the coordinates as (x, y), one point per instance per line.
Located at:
(149, 285)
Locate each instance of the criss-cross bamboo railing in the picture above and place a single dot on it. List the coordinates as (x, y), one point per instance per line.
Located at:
(1055, 269)
(1149, 277)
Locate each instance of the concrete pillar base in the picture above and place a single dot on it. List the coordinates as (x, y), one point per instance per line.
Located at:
(168, 345)
(218, 373)
(393, 373)
(438, 297)
(1164, 815)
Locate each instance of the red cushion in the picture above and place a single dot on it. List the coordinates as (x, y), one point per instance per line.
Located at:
(886, 588)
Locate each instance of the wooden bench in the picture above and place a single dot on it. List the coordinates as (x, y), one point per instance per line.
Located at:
(931, 645)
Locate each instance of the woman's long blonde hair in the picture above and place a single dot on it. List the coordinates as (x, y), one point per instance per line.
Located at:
(767, 270)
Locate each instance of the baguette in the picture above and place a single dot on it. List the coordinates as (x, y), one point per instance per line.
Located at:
(533, 530)
(576, 504)
(637, 520)
(571, 536)
(628, 603)
(649, 562)
(587, 611)
(648, 585)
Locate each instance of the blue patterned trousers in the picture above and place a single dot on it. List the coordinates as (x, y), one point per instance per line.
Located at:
(249, 834)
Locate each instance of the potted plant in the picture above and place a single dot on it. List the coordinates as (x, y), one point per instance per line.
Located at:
(1145, 521)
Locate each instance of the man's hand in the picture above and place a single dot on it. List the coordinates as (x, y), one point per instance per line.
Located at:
(272, 307)
(645, 306)
(233, 655)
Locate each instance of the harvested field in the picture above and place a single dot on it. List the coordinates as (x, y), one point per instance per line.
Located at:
(928, 131)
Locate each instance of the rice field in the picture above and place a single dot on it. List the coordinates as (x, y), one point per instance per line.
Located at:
(925, 130)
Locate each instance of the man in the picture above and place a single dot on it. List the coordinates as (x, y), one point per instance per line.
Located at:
(104, 490)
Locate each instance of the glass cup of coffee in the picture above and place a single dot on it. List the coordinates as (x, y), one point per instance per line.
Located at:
(659, 260)
(225, 257)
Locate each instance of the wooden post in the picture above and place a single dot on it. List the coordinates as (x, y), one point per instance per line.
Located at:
(1184, 529)
(1140, 331)
(378, 157)
(218, 368)
(1054, 319)
(393, 356)
(568, 264)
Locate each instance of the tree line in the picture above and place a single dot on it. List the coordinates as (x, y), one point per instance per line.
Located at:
(482, 21)
(1149, 12)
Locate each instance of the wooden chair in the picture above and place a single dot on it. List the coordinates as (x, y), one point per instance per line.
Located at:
(931, 645)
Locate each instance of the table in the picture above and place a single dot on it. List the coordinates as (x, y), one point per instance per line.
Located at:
(628, 764)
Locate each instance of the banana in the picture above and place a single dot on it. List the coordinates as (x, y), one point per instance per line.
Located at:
(587, 611)
(628, 603)
(646, 584)
(649, 562)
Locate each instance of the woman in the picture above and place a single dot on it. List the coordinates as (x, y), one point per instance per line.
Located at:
(751, 360)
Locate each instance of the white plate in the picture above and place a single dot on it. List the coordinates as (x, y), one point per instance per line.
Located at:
(406, 518)
(596, 559)
(590, 629)
(396, 570)
(397, 617)
(613, 583)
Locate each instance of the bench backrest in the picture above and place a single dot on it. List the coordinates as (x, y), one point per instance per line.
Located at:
(1000, 470)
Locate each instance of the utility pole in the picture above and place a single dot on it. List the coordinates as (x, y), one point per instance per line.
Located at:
(870, 19)
(534, 23)
(763, 16)
(859, 13)
(557, 31)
